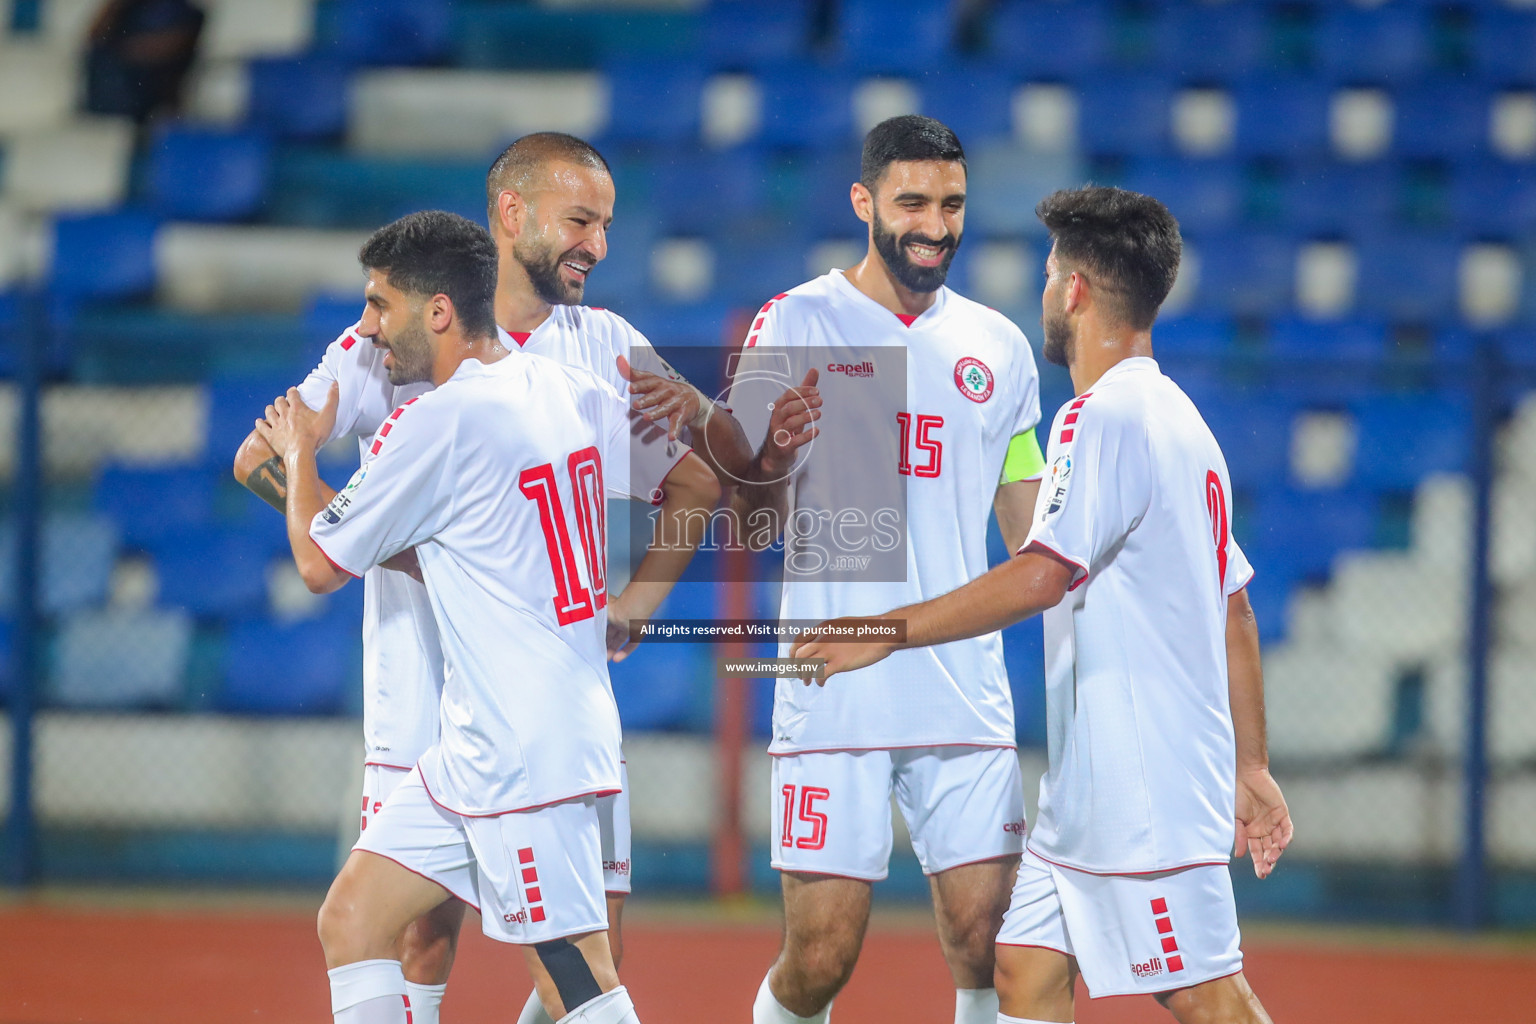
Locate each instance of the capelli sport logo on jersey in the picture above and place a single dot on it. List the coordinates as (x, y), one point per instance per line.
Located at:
(1056, 484)
(865, 369)
(617, 867)
(974, 379)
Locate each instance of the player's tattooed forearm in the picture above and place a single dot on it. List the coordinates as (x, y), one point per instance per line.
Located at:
(269, 483)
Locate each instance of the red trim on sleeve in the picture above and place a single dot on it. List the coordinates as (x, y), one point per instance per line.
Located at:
(334, 564)
(1079, 581)
(659, 493)
(347, 341)
(757, 323)
(1067, 435)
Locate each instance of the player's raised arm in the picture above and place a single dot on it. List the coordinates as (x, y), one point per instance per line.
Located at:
(295, 431)
(716, 437)
(1264, 826)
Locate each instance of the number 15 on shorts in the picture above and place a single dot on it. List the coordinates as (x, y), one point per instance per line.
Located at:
(813, 830)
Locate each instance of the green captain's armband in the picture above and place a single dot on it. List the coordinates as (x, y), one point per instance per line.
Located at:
(1025, 461)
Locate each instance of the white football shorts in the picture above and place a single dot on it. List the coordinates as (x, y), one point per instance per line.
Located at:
(832, 811)
(532, 875)
(380, 780)
(1130, 933)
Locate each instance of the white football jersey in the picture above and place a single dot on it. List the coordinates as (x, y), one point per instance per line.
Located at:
(1142, 755)
(498, 480)
(402, 660)
(970, 386)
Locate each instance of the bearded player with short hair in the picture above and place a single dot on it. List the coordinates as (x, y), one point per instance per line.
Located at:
(934, 727)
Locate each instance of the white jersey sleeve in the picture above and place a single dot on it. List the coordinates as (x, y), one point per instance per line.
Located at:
(1097, 488)
(1239, 572)
(361, 404)
(1026, 386)
(399, 498)
(762, 373)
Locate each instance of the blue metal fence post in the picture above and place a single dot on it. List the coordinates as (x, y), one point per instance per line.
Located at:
(1471, 891)
(21, 865)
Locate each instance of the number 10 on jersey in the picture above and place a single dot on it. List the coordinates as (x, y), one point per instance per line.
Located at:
(574, 601)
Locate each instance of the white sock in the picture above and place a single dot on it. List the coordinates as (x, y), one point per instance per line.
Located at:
(972, 1006)
(369, 992)
(1003, 1018)
(612, 1007)
(534, 1012)
(766, 1009)
(425, 999)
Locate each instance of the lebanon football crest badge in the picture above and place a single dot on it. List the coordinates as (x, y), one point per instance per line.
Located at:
(973, 379)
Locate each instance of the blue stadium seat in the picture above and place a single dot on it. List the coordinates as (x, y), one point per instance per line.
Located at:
(1024, 656)
(1211, 42)
(234, 403)
(1363, 340)
(1404, 438)
(384, 33)
(7, 659)
(1384, 44)
(664, 686)
(155, 504)
(747, 34)
(697, 191)
(214, 572)
(749, 268)
(1124, 116)
(1282, 118)
(104, 255)
(1205, 195)
(331, 188)
(1518, 347)
(975, 102)
(1494, 199)
(116, 659)
(1311, 527)
(1254, 434)
(1196, 335)
(894, 35)
(1327, 199)
(1504, 46)
(1044, 40)
(653, 101)
(1437, 119)
(207, 175)
(299, 97)
(1246, 274)
(321, 663)
(75, 567)
(1407, 276)
(805, 107)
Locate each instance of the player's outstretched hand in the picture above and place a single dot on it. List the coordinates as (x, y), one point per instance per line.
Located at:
(840, 657)
(661, 398)
(1264, 826)
(622, 640)
(291, 426)
(792, 425)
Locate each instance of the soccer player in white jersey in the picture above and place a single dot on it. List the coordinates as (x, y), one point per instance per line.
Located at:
(1154, 694)
(497, 478)
(550, 201)
(933, 726)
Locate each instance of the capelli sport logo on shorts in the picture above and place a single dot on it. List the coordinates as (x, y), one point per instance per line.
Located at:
(1014, 827)
(1149, 969)
(520, 917)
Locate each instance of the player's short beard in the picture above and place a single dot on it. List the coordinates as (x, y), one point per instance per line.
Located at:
(542, 265)
(1060, 340)
(412, 352)
(893, 251)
